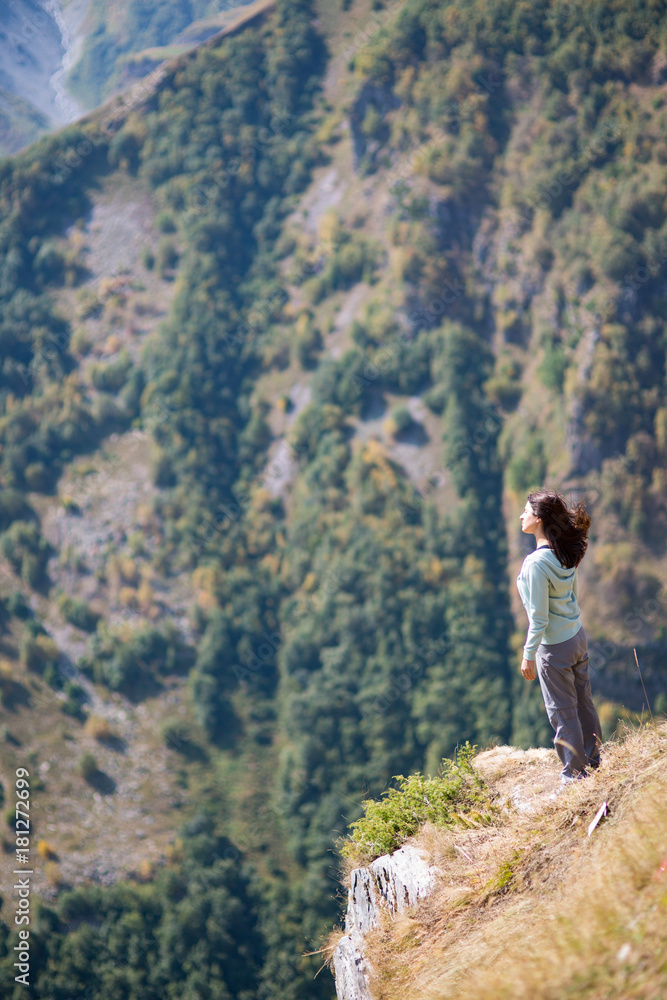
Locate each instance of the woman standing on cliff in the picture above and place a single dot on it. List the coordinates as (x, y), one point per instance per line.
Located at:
(556, 640)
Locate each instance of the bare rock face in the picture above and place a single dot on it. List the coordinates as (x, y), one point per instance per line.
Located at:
(392, 883)
(350, 971)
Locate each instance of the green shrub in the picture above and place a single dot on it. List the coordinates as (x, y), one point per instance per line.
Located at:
(553, 367)
(309, 344)
(111, 376)
(12, 508)
(174, 733)
(402, 419)
(39, 652)
(17, 606)
(75, 698)
(88, 767)
(166, 257)
(148, 258)
(26, 551)
(78, 613)
(457, 797)
(503, 392)
(354, 260)
(177, 735)
(436, 398)
(165, 222)
(504, 388)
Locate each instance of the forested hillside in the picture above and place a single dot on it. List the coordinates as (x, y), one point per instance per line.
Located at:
(285, 341)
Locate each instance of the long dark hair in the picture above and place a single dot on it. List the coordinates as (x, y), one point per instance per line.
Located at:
(566, 526)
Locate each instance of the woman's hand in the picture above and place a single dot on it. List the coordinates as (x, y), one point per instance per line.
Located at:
(528, 669)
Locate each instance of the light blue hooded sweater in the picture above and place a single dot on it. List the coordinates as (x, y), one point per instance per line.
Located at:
(550, 595)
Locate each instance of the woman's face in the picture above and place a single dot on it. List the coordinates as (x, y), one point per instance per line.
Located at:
(528, 520)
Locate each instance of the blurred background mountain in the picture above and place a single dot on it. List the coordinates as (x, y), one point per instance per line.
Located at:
(287, 332)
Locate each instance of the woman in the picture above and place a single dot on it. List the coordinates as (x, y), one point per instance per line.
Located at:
(556, 639)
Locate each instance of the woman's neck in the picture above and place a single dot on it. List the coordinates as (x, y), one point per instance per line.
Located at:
(541, 538)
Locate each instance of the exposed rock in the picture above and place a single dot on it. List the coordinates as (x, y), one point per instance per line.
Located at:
(392, 883)
(350, 971)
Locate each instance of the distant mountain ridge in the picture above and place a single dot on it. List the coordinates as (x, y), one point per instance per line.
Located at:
(60, 58)
(288, 329)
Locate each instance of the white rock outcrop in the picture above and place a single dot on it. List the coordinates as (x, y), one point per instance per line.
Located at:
(391, 884)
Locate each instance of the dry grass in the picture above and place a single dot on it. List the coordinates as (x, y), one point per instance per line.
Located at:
(46, 851)
(98, 727)
(53, 874)
(536, 908)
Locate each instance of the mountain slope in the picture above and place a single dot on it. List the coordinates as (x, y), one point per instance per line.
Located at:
(298, 322)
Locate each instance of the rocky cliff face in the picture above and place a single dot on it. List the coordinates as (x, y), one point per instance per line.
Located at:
(391, 884)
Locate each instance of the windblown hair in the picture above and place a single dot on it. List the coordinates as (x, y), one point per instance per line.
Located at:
(566, 527)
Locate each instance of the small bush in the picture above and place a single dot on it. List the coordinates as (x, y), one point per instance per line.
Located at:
(26, 551)
(78, 613)
(175, 734)
(165, 222)
(166, 257)
(553, 367)
(436, 398)
(98, 727)
(111, 376)
(12, 508)
(80, 342)
(39, 652)
(148, 258)
(354, 260)
(309, 343)
(45, 851)
(458, 796)
(17, 606)
(402, 419)
(504, 387)
(88, 767)
(73, 705)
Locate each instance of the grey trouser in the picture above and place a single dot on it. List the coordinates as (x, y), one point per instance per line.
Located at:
(562, 669)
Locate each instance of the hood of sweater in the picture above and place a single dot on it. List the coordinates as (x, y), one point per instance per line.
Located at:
(558, 575)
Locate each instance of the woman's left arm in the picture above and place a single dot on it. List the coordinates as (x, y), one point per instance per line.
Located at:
(537, 607)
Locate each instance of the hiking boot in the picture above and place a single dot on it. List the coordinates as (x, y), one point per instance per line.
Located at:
(567, 779)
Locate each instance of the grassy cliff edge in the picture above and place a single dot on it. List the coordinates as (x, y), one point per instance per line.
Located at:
(542, 904)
